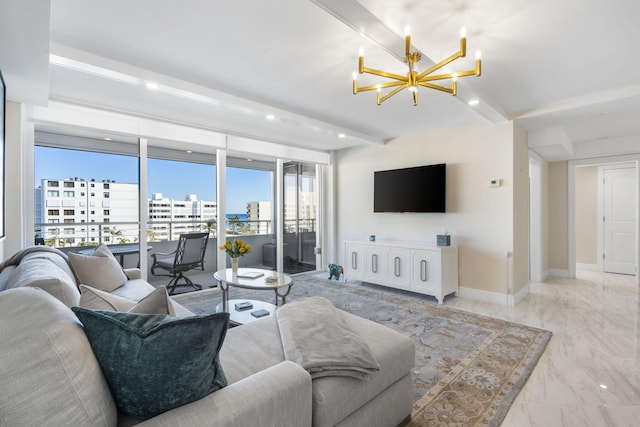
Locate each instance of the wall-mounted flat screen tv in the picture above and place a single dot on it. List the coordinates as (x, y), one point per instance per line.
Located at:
(415, 189)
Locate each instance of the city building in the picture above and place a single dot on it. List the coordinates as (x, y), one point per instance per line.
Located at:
(77, 212)
(168, 218)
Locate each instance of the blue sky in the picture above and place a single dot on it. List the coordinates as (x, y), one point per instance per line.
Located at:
(173, 179)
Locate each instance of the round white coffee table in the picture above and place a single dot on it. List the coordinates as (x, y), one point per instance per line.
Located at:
(253, 278)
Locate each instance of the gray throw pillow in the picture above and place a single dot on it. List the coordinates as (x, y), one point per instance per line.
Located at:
(100, 270)
(156, 302)
(154, 363)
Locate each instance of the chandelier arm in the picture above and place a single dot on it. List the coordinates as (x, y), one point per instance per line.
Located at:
(378, 86)
(384, 74)
(390, 94)
(436, 87)
(440, 64)
(447, 76)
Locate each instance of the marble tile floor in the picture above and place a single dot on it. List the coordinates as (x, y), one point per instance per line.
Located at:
(589, 374)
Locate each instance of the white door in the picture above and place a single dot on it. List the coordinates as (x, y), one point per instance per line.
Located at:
(620, 220)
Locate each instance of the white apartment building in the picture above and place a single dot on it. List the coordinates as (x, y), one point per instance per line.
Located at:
(259, 216)
(75, 212)
(168, 218)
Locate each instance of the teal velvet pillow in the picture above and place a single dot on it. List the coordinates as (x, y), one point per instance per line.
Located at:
(155, 362)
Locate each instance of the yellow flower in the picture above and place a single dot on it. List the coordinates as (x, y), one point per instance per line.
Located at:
(236, 249)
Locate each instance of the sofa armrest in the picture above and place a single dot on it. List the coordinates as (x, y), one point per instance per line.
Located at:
(133, 273)
(278, 396)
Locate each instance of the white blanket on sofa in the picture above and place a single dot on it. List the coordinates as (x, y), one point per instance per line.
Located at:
(315, 336)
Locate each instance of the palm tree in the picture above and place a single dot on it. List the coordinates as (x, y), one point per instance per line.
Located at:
(211, 225)
(234, 220)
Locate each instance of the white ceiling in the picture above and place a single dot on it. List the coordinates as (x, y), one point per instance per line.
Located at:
(564, 70)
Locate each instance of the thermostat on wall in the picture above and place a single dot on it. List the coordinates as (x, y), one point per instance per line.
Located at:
(495, 183)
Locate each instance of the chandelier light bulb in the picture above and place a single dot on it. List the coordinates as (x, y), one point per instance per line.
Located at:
(355, 75)
(407, 30)
(361, 52)
(463, 32)
(454, 77)
(478, 54)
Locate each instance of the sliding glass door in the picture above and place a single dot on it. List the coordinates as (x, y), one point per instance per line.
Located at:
(300, 225)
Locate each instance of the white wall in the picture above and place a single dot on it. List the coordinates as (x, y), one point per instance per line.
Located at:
(479, 218)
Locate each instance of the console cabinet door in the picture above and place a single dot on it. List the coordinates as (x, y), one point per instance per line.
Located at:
(425, 277)
(399, 268)
(376, 267)
(354, 262)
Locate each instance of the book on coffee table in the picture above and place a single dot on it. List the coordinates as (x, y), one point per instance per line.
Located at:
(244, 305)
(260, 313)
(250, 274)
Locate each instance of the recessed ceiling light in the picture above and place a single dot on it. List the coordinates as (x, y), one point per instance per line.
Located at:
(107, 139)
(189, 151)
(473, 102)
(270, 117)
(603, 386)
(249, 160)
(152, 85)
(342, 135)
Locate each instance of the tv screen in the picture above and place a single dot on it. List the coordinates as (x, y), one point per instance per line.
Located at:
(416, 189)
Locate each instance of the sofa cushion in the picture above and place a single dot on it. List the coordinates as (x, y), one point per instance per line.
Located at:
(56, 257)
(156, 302)
(43, 273)
(5, 276)
(49, 373)
(154, 363)
(334, 398)
(100, 270)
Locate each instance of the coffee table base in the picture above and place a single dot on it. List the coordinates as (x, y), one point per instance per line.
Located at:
(244, 316)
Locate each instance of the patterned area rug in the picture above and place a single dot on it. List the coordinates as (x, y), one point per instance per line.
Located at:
(469, 368)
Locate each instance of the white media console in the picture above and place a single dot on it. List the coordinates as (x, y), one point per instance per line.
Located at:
(426, 269)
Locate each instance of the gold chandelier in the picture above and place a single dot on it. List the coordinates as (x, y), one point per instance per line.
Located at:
(413, 79)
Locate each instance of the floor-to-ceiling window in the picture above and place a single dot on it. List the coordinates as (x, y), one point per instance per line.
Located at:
(84, 198)
(182, 197)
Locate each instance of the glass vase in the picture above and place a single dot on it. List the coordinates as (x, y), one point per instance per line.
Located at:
(234, 265)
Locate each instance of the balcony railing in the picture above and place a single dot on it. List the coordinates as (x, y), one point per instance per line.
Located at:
(75, 234)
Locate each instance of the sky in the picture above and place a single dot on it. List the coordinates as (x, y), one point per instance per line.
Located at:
(173, 179)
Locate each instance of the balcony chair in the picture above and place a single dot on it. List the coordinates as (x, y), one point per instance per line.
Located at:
(189, 255)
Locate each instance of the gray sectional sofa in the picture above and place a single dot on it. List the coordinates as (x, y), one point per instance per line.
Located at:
(50, 376)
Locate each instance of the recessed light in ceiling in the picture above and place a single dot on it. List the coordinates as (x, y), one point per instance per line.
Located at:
(473, 102)
(270, 117)
(342, 135)
(189, 151)
(107, 139)
(152, 85)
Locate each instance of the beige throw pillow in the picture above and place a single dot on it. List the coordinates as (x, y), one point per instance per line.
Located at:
(100, 270)
(157, 302)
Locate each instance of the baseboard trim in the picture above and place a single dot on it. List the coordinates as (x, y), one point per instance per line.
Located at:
(556, 272)
(591, 267)
(517, 298)
(484, 296)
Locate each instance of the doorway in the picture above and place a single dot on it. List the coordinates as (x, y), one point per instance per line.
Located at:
(535, 219)
(300, 217)
(611, 162)
(619, 219)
